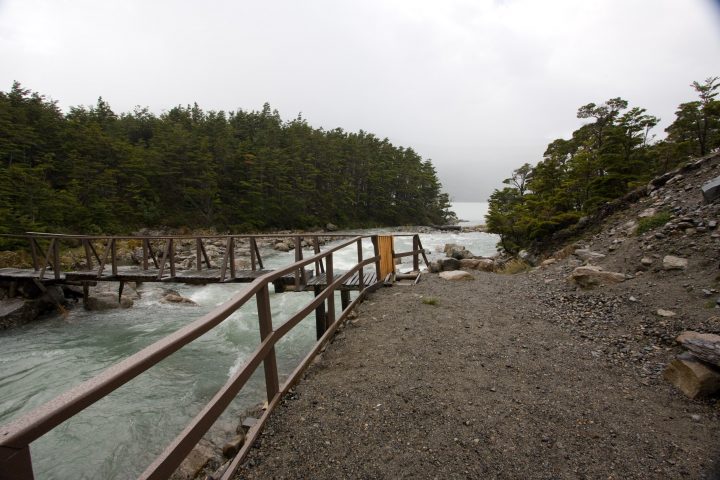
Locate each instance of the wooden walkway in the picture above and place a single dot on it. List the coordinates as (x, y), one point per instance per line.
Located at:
(192, 277)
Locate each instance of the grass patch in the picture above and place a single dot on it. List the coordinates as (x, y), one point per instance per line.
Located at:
(511, 267)
(648, 223)
(431, 301)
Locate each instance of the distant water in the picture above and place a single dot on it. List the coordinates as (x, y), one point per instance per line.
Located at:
(473, 213)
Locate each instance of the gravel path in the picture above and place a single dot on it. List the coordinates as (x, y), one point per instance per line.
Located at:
(494, 381)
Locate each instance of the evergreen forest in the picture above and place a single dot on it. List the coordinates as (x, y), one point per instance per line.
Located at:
(91, 170)
(612, 153)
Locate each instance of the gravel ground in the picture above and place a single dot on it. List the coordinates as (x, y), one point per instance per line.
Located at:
(516, 376)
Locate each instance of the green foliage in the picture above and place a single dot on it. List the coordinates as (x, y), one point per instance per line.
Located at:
(603, 160)
(431, 301)
(92, 170)
(648, 223)
(514, 266)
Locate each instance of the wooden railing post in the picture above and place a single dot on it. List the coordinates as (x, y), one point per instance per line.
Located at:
(376, 251)
(56, 259)
(88, 254)
(272, 384)
(145, 249)
(331, 298)
(33, 252)
(47, 258)
(113, 259)
(316, 248)
(198, 254)
(361, 272)
(231, 257)
(251, 243)
(300, 279)
(172, 258)
(16, 464)
(416, 256)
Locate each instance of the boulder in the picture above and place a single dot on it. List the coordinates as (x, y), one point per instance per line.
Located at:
(282, 247)
(457, 251)
(456, 275)
(449, 264)
(107, 301)
(434, 267)
(588, 255)
(671, 262)
(469, 263)
(485, 264)
(548, 262)
(711, 190)
(17, 311)
(330, 227)
(589, 276)
(648, 212)
(693, 377)
(174, 298)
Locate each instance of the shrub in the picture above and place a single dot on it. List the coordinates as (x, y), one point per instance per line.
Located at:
(649, 223)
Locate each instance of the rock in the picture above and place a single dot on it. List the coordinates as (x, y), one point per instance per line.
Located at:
(231, 448)
(485, 265)
(548, 262)
(646, 261)
(589, 276)
(705, 346)
(692, 377)
(107, 301)
(457, 251)
(711, 190)
(282, 247)
(665, 313)
(469, 263)
(331, 227)
(434, 267)
(17, 311)
(201, 455)
(449, 264)
(171, 296)
(648, 212)
(588, 255)
(671, 262)
(456, 275)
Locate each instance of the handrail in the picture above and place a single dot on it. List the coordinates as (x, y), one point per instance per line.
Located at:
(16, 436)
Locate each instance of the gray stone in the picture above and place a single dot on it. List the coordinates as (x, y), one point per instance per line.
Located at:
(646, 261)
(175, 298)
(711, 190)
(330, 227)
(486, 265)
(648, 212)
(665, 313)
(671, 262)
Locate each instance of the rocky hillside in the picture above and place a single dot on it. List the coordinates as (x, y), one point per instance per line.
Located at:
(643, 274)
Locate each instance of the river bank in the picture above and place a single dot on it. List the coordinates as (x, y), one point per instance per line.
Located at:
(490, 378)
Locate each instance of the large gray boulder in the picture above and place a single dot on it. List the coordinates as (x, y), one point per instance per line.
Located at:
(456, 275)
(588, 255)
(17, 311)
(107, 301)
(711, 190)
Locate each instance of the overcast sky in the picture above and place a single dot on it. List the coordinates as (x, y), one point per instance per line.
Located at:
(478, 86)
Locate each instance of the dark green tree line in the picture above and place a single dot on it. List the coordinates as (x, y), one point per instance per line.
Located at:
(92, 170)
(604, 159)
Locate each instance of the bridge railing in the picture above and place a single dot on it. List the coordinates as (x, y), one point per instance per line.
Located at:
(98, 252)
(16, 437)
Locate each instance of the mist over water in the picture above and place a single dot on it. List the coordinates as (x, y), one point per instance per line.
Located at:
(119, 436)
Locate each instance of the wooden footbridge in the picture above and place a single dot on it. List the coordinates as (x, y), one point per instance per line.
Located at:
(103, 264)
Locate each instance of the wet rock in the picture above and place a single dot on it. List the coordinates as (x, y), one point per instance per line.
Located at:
(671, 262)
(456, 275)
(107, 301)
(282, 247)
(171, 296)
(17, 311)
